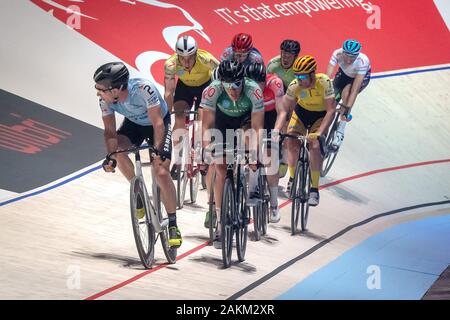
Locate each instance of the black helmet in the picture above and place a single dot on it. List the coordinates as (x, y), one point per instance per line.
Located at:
(291, 46)
(114, 74)
(256, 71)
(231, 71)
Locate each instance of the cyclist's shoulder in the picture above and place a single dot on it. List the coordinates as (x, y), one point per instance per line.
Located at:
(293, 87)
(227, 54)
(204, 56)
(273, 63)
(324, 84)
(255, 56)
(273, 78)
(363, 58)
(140, 87)
(322, 81)
(250, 85)
(213, 90)
(171, 63)
(322, 77)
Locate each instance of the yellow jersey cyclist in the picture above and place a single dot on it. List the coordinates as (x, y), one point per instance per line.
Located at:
(352, 77)
(242, 50)
(192, 66)
(274, 119)
(146, 117)
(230, 103)
(281, 65)
(312, 95)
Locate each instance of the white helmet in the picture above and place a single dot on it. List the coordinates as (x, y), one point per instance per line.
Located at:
(186, 46)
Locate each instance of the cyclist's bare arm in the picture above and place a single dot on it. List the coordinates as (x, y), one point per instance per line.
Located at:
(355, 89)
(169, 90)
(330, 105)
(110, 133)
(208, 118)
(281, 114)
(154, 114)
(288, 103)
(330, 70)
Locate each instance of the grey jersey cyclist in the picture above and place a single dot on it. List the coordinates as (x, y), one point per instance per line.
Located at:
(146, 117)
(242, 50)
(230, 103)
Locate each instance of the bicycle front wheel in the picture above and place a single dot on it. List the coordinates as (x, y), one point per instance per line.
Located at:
(256, 212)
(143, 231)
(305, 187)
(296, 197)
(227, 218)
(242, 219)
(265, 204)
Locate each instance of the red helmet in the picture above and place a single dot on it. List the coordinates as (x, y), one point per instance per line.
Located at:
(242, 42)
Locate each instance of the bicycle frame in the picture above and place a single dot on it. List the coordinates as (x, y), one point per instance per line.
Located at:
(154, 218)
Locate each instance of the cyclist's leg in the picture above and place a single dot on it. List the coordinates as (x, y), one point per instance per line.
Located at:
(223, 123)
(164, 180)
(339, 83)
(315, 164)
(295, 127)
(182, 101)
(128, 134)
(273, 161)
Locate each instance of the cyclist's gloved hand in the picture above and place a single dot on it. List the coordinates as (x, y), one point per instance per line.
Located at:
(275, 135)
(313, 136)
(345, 113)
(109, 164)
(162, 154)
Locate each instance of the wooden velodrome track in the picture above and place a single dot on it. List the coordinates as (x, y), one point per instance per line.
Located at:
(84, 225)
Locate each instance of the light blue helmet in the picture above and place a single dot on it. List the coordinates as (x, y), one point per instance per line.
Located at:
(351, 47)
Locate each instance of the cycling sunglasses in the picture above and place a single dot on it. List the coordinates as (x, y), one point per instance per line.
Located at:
(232, 85)
(301, 76)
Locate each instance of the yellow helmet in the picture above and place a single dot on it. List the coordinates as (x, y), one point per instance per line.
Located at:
(304, 64)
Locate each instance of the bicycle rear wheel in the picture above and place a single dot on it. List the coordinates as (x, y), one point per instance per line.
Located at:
(182, 178)
(257, 223)
(170, 253)
(143, 231)
(242, 217)
(296, 197)
(203, 182)
(265, 205)
(227, 218)
(305, 187)
(212, 211)
(194, 179)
